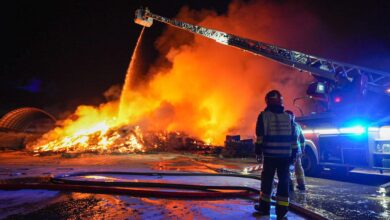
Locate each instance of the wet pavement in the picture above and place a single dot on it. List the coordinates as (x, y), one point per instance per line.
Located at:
(98, 206)
(42, 204)
(343, 200)
(333, 199)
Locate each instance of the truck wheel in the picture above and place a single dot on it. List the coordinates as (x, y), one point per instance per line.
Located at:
(309, 163)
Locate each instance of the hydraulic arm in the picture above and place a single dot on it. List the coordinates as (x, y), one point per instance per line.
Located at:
(322, 69)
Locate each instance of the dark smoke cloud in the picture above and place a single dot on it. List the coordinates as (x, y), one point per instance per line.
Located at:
(240, 79)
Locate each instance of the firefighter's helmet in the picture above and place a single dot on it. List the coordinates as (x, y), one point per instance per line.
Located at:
(274, 97)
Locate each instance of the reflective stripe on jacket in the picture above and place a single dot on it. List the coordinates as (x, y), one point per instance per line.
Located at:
(277, 134)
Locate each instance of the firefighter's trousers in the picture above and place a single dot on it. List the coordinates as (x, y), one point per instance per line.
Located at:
(281, 167)
(299, 173)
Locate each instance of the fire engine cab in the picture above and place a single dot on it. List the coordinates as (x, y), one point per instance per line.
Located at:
(351, 131)
(350, 123)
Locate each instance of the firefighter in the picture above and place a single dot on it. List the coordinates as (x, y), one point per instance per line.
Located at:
(299, 172)
(275, 140)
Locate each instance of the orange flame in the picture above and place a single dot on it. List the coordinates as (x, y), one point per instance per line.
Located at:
(209, 91)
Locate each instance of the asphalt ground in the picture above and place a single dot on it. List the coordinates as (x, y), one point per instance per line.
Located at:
(334, 199)
(20, 167)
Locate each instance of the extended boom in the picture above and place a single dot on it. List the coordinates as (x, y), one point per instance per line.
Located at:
(322, 69)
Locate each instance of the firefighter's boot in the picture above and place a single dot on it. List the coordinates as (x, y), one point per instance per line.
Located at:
(281, 208)
(301, 187)
(263, 208)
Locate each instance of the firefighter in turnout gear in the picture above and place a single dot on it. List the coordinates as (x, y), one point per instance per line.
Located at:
(277, 143)
(299, 172)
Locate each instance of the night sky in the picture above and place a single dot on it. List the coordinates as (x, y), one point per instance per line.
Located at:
(57, 55)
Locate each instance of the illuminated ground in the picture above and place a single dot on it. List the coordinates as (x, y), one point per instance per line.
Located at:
(333, 199)
(27, 204)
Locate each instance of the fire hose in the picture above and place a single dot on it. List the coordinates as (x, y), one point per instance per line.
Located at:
(141, 188)
(151, 189)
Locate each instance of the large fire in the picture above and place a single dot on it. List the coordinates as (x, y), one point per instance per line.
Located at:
(208, 91)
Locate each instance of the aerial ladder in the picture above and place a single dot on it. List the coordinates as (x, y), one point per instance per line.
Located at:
(326, 70)
(329, 142)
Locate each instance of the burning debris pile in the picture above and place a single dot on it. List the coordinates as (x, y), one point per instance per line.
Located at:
(206, 91)
(100, 139)
(111, 128)
(126, 139)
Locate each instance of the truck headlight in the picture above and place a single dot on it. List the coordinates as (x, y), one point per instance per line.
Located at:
(384, 133)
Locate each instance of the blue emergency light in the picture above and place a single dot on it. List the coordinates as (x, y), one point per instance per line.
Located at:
(355, 130)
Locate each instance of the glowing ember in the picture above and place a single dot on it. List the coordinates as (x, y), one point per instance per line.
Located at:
(99, 138)
(200, 88)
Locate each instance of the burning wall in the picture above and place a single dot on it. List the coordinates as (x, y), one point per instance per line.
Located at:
(208, 90)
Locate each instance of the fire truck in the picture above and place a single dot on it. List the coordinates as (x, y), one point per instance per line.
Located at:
(349, 125)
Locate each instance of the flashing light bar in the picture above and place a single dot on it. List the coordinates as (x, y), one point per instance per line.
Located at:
(373, 129)
(327, 131)
(357, 130)
(353, 130)
(308, 131)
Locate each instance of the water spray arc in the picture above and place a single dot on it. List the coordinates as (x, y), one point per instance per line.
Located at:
(130, 74)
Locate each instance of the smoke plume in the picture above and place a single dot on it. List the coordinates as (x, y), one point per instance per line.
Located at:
(209, 89)
(200, 87)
